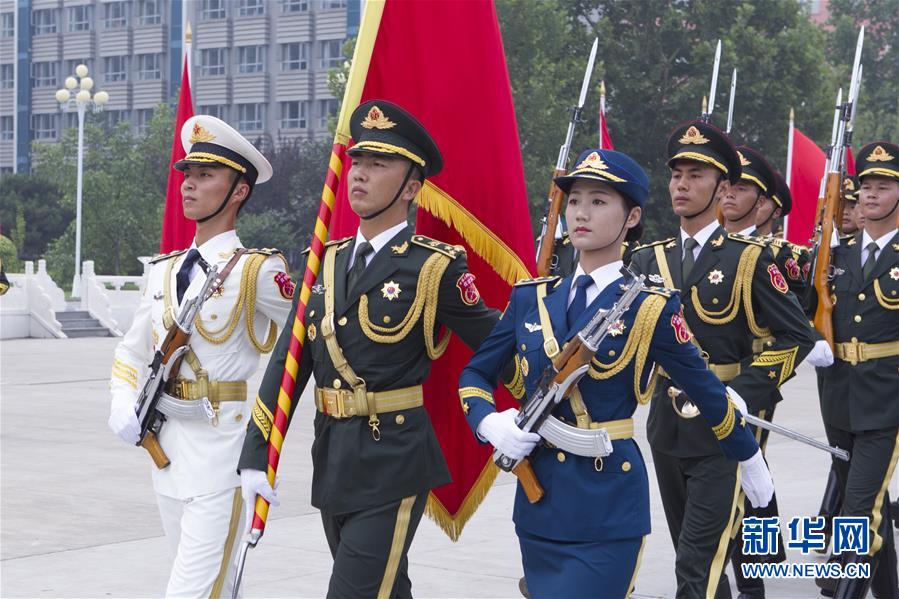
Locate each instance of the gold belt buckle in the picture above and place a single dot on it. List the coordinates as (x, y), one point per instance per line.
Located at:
(852, 353)
(333, 404)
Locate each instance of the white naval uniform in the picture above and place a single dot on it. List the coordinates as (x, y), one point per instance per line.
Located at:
(199, 492)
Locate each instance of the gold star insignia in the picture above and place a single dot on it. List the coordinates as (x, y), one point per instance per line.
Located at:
(465, 407)
(717, 242)
(399, 249)
(772, 374)
(200, 134)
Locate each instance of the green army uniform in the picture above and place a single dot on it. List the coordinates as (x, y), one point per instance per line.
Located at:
(860, 391)
(369, 346)
(731, 288)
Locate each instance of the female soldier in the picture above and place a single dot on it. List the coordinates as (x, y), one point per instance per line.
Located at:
(584, 538)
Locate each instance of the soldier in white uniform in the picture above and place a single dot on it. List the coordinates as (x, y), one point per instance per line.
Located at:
(206, 412)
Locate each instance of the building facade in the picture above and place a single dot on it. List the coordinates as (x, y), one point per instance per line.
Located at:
(261, 65)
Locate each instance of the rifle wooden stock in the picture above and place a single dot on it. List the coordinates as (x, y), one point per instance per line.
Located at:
(532, 487)
(832, 205)
(548, 242)
(151, 444)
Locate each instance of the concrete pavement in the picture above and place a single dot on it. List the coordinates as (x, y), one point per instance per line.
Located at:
(78, 516)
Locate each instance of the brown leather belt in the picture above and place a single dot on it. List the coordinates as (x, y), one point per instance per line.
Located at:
(345, 403)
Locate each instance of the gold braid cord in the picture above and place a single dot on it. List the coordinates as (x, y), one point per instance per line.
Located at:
(742, 289)
(636, 347)
(882, 299)
(426, 297)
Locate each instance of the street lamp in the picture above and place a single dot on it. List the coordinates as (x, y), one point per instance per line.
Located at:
(81, 99)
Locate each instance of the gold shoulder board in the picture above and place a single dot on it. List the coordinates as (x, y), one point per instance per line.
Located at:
(746, 239)
(453, 251)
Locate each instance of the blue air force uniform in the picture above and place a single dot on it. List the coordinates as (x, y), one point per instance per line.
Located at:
(585, 536)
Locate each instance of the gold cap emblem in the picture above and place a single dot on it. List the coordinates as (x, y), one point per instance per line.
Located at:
(594, 160)
(693, 136)
(848, 184)
(879, 155)
(200, 134)
(375, 119)
(743, 160)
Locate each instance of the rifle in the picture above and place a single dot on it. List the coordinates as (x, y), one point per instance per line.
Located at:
(165, 366)
(561, 377)
(550, 222)
(832, 205)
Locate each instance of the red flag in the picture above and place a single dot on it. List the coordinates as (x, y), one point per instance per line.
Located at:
(444, 62)
(605, 138)
(806, 171)
(850, 162)
(178, 231)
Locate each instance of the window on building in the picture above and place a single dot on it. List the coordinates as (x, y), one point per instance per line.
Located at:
(43, 74)
(251, 59)
(295, 56)
(6, 128)
(251, 8)
(80, 17)
(144, 116)
(326, 109)
(43, 21)
(216, 110)
(250, 117)
(149, 67)
(43, 126)
(330, 53)
(333, 4)
(7, 76)
(114, 117)
(293, 115)
(149, 12)
(7, 24)
(212, 61)
(69, 120)
(115, 68)
(71, 65)
(294, 5)
(211, 10)
(115, 15)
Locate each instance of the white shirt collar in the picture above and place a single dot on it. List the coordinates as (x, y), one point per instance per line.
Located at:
(701, 237)
(748, 231)
(602, 278)
(880, 241)
(377, 242)
(223, 242)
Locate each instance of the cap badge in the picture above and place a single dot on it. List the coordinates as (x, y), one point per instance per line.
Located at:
(200, 134)
(693, 136)
(848, 184)
(743, 160)
(594, 160)
(375, 119)
(879, 155)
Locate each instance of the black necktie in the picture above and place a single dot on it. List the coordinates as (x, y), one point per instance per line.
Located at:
(183, 276)
(871, 260)
(362, 251)
(579, 303)
(689, 259)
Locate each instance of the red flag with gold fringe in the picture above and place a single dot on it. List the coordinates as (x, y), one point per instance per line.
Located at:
(443, 61)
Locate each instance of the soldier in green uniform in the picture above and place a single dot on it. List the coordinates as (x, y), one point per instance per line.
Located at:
(853, 219)
(373, 325)
(729, 286)
(860, 390)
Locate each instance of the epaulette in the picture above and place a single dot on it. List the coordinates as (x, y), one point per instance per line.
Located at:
(775, 241)
(266, 251)
(654, 243)
(162, 257)
(746, 239)
(453, 251)
(664, 291)
(536, 280)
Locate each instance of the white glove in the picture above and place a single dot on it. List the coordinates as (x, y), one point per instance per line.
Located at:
(820, 356)
(253, 483)
(123, 419)
(755, 478)
(500, 430)
(738, 401)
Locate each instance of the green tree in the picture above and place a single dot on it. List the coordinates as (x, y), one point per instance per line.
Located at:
(31, 213)
(124, 182)
(878, 114)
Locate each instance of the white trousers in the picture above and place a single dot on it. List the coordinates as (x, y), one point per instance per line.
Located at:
(204, 533)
